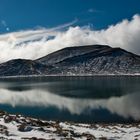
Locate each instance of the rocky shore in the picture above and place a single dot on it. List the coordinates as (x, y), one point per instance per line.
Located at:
(16, 127)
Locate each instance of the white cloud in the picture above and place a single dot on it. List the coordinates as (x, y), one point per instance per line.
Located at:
(32, 44)
(3, 25)
(7, 29)
(91, 10)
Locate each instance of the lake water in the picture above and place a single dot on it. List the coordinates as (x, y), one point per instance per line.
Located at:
(78, 99)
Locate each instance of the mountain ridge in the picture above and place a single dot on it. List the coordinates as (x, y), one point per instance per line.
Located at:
(80, 60)
(69, 52)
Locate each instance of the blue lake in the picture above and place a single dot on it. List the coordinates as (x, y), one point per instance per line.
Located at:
(77, 99)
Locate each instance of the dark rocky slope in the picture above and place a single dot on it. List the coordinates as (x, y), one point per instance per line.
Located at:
(23, 67)
(101, 61)
(83, 60)
(70, 52)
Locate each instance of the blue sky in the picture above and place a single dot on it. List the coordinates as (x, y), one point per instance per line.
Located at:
(27, 14)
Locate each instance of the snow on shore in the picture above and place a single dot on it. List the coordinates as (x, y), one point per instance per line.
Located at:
(16, 127)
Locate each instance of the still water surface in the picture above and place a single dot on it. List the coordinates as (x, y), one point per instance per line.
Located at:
(78, 99)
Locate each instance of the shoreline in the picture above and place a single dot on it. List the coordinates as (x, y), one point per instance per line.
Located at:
(96, 75)
(21, 127)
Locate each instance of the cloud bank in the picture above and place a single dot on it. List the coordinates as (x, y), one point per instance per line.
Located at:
(32, 44)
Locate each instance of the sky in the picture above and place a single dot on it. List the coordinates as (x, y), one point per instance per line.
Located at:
(33, 28)
(26, 14)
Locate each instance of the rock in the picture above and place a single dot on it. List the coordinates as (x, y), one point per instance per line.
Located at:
(4, 130)
(2, 113)
(8, 118)
(89, 136)
(24, 128)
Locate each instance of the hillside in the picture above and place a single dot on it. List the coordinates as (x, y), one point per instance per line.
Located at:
(81, 60)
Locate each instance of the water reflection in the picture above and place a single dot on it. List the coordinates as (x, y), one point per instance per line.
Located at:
(77, 96)
(126, 106)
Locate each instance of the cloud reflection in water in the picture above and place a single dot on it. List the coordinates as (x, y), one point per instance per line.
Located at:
(125, 106)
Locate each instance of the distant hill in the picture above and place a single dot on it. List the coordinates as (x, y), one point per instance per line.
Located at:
(23, 67)
(82, 60)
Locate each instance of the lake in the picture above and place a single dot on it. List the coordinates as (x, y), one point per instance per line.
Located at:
(78, 99)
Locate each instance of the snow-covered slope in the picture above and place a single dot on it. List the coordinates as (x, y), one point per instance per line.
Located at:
(103, 61)
(83, 60)
(16, 127)
(70, 52)
(23, 67)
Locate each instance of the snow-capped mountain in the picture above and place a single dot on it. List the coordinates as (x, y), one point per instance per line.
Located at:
(70, 52)
(81, 60)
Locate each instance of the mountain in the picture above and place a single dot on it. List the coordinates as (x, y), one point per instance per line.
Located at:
(82, 60)
(108, 61)
(70, 52)
(23, 67)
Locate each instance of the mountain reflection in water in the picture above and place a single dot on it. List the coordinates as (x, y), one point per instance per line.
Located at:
(96, 98)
